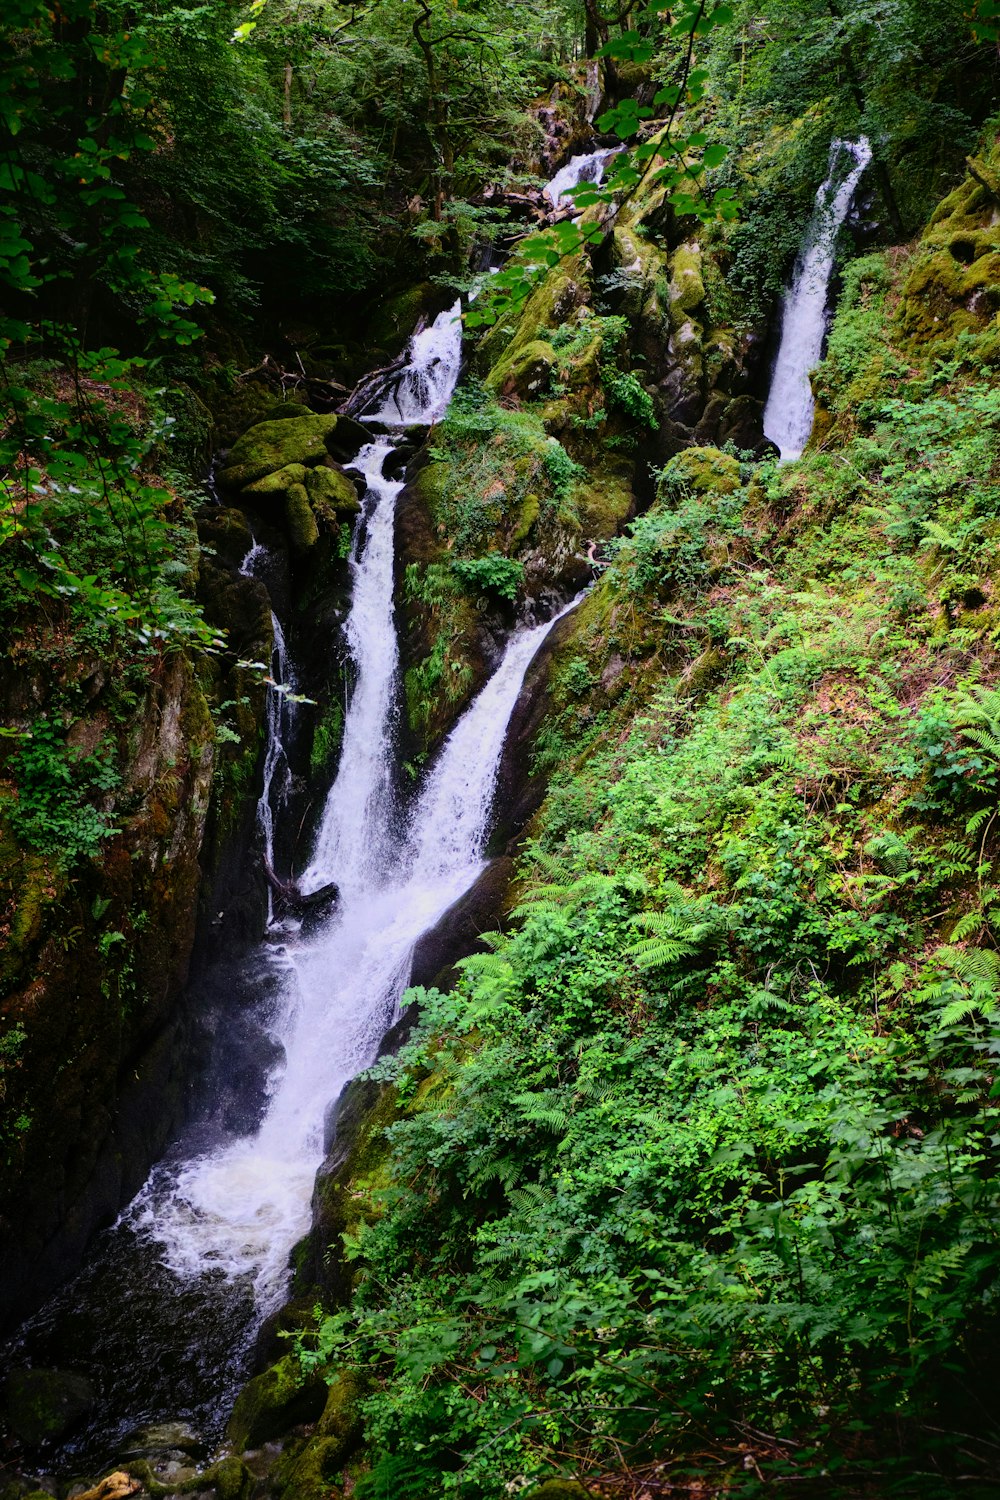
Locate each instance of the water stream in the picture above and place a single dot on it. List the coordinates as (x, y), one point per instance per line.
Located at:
(788, 415)
(588, 167)
(166, 1311)
(279, 712)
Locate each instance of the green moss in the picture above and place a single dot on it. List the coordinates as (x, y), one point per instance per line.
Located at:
(524, 371)
(687, 286)
(306, 1471)
(302, 528)
(284, 410)
(327, 738)
(703, 470)
(274, 1402)
(279, 482)
(526, 517)
(330, 491)
(550, 305)
(604, 501)
(272, 445)
(231, 1478)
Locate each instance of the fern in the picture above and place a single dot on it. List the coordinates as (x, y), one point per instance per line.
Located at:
(967, 926)
(891, 853)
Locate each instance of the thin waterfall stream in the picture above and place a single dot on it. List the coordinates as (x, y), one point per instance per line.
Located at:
(788, 415)
(200, 1257)
(280, 711)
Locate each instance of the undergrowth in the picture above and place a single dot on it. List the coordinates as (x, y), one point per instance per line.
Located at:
(696, 1166)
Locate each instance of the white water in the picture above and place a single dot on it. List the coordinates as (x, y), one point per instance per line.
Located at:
(279, 712)
(353, 842)
(788, 415)
(238, 1209)
(423, 389)
(587, 168)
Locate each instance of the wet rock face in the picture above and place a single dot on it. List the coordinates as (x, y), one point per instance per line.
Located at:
(96, 959)
(42, 1406)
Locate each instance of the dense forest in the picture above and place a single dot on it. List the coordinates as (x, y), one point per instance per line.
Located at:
(499, 837)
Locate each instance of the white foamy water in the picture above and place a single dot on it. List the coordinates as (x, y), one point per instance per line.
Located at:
(586, 168)
(353, 841)
(788, 415)
(423, 388)
(242, 1208)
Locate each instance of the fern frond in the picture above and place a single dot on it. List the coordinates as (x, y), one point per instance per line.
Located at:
(966, 926)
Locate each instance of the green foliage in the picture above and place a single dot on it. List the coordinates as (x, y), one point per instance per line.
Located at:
(492, 574)
(675, 160)
(59, 789)
(701, 1155)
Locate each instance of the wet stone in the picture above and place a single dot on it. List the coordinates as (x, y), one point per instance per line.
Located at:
(42, 1405)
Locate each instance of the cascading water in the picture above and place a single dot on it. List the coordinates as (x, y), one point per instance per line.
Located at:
(420, 392)
(279, 712)
(585, 168)
(200, 1257)
(788, 414)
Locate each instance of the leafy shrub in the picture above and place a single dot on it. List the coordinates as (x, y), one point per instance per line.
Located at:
(493, 574)
(57, 789)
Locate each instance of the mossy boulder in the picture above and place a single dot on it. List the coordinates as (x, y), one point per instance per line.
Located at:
(330, 491)
(687, 285)
(702, 470)
(273, 1403)
(303, 531)
(285, 410)
(523, 371)
(307, 1471)
(278, 483)
(559, 1489)
(269, 446)
(231, 1479)
(43, 1405)
(550, 305)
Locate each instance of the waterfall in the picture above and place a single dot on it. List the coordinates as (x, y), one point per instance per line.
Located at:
(279, 711)
(239, 1207)
(586, 168)
(200, 1257)
(788, 414)
(353, 841)
(420, 393)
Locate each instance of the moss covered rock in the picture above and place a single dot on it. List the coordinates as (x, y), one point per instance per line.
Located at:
(703, 470)
(278, 483)
(330, 490)
(302, 528)
(306, 1471)
(273, 1403)
(272, 445)
(42, 1405)
(524, 371)
(687, 286)
(284, 410)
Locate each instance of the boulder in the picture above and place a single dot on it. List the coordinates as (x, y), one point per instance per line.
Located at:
(269, 446)
(330, 490)
(302, 529)
(279, 482)
(42, 1405)
(704, 471)
(346, 440)
(284, 410)
(524, 371)
(273, 1403)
